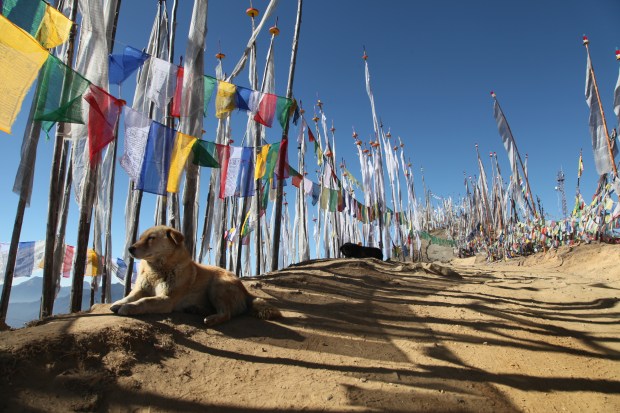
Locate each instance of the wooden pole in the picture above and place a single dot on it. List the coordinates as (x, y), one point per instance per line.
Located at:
(600, 105)
(86, 212)
(49, 277)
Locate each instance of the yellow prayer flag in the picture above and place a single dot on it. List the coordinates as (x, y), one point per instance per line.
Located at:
(21, 57)
(225, 99)
(55, 28)
(183, 145)
(92, 264)
(261, 163)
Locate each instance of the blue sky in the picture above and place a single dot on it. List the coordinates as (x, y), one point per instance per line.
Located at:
(432, 64)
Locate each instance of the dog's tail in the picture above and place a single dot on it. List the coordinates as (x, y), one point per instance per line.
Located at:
(260, 308)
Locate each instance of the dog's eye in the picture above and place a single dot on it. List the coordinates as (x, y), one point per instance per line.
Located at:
(150, 238)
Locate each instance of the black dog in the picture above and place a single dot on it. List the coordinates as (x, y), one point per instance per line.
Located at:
(351, 250)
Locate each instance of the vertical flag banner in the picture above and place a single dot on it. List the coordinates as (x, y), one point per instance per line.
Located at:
(103, 116)
(137, 126)
(21, 57)
(156, 163)
(182, 147)
(60, 94)
(54, 29)
(597, 129)
(223, 154)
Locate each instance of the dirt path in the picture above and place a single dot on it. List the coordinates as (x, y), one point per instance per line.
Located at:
(357, 336)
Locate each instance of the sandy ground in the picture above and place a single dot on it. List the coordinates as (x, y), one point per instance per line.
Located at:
(540, 334)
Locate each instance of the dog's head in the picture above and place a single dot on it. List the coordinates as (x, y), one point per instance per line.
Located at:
(156, 243)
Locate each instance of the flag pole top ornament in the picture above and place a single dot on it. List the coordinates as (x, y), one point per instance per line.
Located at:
(617, 54)
(365, 56)
(585, 40)
(274, 29)
(315, 118)
(493, 94)
(251, 11)
(319, 103)
(219, 55)
(354, 135)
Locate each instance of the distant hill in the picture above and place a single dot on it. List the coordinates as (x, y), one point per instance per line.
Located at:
(25, 300)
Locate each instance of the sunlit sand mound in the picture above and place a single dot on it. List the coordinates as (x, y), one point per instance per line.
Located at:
(357, 335)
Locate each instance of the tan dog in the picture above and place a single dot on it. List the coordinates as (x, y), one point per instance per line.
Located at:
(168, 280)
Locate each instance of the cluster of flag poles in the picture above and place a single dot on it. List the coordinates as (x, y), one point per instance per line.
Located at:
(163, 148)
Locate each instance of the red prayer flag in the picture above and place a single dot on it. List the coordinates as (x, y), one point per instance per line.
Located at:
(223, 155)
(175, 111)
(67, 261)
(296, 180)
(266, 110)
(310, 136)
(103, 116)
(282, 165)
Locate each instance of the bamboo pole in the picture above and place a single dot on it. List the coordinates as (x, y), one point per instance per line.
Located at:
(600, 105)
(284, 146)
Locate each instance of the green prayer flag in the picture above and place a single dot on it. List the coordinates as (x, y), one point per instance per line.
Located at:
(210, 84)
(26, 14)
(272, 159)
(283, 110)
(60, 98)
(333, 200)
(205, 154)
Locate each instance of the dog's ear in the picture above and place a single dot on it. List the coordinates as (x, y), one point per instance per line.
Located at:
(175, 236)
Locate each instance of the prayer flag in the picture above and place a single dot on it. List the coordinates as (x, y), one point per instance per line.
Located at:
(229, 176)
(137, 126)
(156, 164)
(121, 66)
(92, 264)
(271, 160)
(266, 109)
(245, 179)
(580, 167)
(283, 110)
(205, 154)
(26, 14)
(182, 147)
(261, 162)
(121, 270)
(67, 261)
(54, 29)
(60, 94)
(242, 98)
(103, 116)
(316, 193)
(282, 168)
(162, 81)
(311, 136)
(225, 99)
(175, 111)
(223, 154)
(209, 86)
(21, 57)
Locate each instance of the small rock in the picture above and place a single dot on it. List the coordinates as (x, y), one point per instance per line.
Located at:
(363, 379)
(485, 343)
(331, 396)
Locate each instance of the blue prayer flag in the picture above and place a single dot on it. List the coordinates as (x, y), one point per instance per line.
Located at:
(156, 164)
(123, 65)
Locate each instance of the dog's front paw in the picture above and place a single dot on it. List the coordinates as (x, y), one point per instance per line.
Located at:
(125, 309)
(115, 307)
